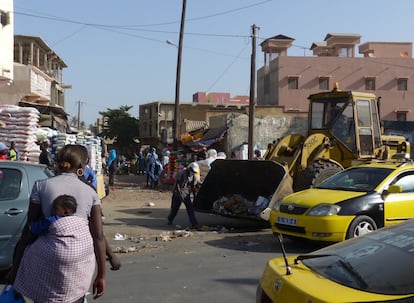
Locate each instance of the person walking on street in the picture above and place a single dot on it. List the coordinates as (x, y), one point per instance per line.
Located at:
(112, 165)
(155, 173)
(150, 160)
(185, 184)
(140, 164)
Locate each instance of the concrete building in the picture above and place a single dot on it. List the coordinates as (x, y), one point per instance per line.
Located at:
(37, 80)
(156, 119)
(285, 82)
(6, 42)
(383, 68)
(223, 99)
(155, 123)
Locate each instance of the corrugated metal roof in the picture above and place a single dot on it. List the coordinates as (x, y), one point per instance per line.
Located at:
(191, 125)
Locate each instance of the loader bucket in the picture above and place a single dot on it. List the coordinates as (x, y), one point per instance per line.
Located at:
(248, 180)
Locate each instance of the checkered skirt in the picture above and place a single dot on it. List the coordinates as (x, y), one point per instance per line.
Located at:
(59, 266)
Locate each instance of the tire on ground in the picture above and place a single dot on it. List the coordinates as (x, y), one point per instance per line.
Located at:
(315, 174)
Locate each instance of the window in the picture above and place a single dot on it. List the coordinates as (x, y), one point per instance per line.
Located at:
(343, 127)
(369, 83)
(10, 184)
(293, 82)
(4, 18)
(401, 116)
(406, 182)
(365, 130)
(323, 83)
(402, 84)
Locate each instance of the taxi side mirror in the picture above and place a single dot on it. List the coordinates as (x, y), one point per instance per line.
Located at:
(395, 189)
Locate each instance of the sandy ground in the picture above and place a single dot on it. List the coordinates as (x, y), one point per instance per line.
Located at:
(135, 218)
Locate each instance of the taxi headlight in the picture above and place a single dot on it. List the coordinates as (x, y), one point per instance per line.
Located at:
(324, 210)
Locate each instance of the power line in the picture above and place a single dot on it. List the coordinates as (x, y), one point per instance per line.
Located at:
(55, 18)
(113, 27)
(227, 68)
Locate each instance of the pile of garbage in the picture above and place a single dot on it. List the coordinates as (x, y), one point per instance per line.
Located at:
(237, 205)
(141, 243)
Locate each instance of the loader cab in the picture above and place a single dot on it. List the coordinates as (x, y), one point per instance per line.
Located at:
(350, 118)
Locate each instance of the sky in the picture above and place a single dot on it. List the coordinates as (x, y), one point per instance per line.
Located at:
(117, 52)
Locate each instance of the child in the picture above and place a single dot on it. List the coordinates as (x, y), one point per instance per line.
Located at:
(63, 206)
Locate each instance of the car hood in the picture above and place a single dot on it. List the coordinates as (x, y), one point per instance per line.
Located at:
(314, 196)
(304, 285)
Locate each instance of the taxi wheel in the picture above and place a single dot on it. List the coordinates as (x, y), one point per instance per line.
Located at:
(361, 225)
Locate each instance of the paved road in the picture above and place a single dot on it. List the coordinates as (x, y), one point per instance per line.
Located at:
(202, 266)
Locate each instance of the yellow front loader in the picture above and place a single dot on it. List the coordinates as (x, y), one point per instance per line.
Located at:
(343, 130)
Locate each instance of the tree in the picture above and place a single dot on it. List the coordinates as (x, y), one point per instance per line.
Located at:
(121, 127)
(74, 123)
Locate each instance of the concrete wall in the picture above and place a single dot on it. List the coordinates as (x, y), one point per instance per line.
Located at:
(266, 128)
(13, 93)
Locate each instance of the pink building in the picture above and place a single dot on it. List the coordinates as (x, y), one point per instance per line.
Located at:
(383, 68)
(220, 99)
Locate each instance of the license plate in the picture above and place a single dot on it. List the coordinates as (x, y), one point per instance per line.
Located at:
(288, 221)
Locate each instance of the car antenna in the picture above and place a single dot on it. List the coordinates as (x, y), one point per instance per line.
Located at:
(282, 246)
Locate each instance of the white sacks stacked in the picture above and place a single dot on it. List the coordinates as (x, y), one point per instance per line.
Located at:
(94, 147)
(61, 140)
(19, 124)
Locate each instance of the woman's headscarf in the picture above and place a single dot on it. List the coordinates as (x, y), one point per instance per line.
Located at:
(112, 156)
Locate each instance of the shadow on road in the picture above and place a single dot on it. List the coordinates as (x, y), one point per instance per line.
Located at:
(156, 218)
(263, 242)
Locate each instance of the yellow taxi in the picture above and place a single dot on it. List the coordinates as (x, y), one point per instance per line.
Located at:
(351, 203)
(373, 268)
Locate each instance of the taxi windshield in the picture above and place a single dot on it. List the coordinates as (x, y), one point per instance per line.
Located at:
(376, 262)
(363, 179)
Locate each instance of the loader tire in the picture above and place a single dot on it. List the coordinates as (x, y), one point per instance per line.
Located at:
(315, 174)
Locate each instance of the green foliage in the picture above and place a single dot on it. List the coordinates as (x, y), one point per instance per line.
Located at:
(121, 127)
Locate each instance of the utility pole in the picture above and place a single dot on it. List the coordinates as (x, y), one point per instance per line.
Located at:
(79, 110)
(252, 93)
(178, 76)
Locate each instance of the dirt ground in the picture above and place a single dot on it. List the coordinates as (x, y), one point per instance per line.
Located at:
(133, 213)
(135, 218)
